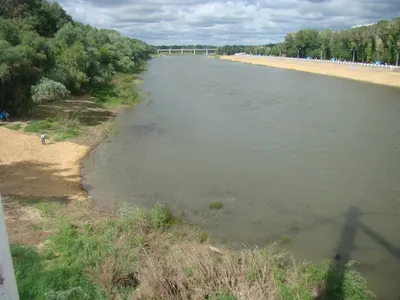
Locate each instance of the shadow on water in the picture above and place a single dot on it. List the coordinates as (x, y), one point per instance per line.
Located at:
(335, 279)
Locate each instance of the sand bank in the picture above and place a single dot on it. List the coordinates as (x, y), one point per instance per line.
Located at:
(28, 168)
(376, 75)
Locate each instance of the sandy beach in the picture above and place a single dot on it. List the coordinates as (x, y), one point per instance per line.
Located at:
(27, 168)
(376, 75)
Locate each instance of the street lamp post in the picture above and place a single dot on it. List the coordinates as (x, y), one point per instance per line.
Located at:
(397, 60)
(298, 52)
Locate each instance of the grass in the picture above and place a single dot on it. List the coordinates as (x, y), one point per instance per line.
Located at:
(216, 205)
(55, 128)
(140, 253)
(285, 239)
(14, 127)
(203, 237)
(121, 91)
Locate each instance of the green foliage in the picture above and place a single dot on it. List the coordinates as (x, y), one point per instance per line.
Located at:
(14, 127)
(222, 296)
(38, 279)
(39, 40)
(104, 257)
(158, 216)
(375, 42)
(48, 90)
(340, 281)
(216, 205)
(203, 237)
(58, 130)
(71, 264)
(121, 91)
(48, 208)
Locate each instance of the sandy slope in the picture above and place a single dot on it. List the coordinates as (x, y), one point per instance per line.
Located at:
(367, 74)
(29, 168)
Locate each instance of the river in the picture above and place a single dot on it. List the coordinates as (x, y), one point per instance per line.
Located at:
(309, 160)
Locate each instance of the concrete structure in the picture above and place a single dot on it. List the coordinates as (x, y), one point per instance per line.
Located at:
(8, 285)
(183, 50)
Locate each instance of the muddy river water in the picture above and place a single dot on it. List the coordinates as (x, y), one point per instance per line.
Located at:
(309, 160)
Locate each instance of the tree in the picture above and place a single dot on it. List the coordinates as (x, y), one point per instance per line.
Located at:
(43, 51)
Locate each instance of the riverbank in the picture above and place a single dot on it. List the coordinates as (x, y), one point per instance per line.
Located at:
(367, 74)
(72, 127)
(63, 248)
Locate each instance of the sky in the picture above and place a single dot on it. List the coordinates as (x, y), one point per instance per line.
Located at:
(220, 22)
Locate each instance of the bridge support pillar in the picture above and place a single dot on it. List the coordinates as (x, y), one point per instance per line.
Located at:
(194, 51)
(207, 52)
(169, 51)
(181, 51)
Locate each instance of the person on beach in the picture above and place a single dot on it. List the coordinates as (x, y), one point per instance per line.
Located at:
(42, 137)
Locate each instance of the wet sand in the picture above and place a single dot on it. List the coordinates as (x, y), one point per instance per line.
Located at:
(376, 75)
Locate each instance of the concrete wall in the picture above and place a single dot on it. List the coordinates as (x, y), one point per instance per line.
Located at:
(8, 285)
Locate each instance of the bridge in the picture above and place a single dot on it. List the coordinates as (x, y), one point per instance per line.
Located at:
(183, 50)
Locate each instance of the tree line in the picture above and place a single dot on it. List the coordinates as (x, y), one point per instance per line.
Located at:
(369, 43)
(45, 55)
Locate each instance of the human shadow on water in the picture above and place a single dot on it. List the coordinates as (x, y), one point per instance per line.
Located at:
(335, 279)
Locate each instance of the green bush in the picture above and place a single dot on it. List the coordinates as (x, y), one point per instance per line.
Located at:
(48, 90)
(216, 205)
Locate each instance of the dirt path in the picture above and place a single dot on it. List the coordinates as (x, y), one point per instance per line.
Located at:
(28, 168)
(368, 74)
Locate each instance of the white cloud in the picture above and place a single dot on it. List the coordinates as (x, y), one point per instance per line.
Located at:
(219, 22)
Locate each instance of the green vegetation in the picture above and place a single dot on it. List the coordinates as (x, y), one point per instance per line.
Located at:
(120, 91)
(378, 42)
(285, 239)
(139, 253)
(203, 237)
(216, 205)
(222, 296)
(58, 130)
(64, 120)
(14, 127)
(46, 56)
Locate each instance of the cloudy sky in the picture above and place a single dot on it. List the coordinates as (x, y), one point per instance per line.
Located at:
(219, 22)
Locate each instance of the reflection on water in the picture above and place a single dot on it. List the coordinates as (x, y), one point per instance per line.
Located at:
(288, 153)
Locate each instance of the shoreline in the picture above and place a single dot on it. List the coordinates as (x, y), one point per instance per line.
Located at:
(376, 75)
(29, 169)
(151, 237)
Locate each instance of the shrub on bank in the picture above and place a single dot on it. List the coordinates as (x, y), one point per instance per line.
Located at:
(48, 90)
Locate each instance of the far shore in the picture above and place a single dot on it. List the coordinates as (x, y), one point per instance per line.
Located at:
(376, 75)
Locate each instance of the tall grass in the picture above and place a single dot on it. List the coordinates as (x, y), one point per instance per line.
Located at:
(121, 91)
(138, 254)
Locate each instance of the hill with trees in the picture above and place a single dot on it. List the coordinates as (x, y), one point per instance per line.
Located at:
(45, 55)
(369, 43)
